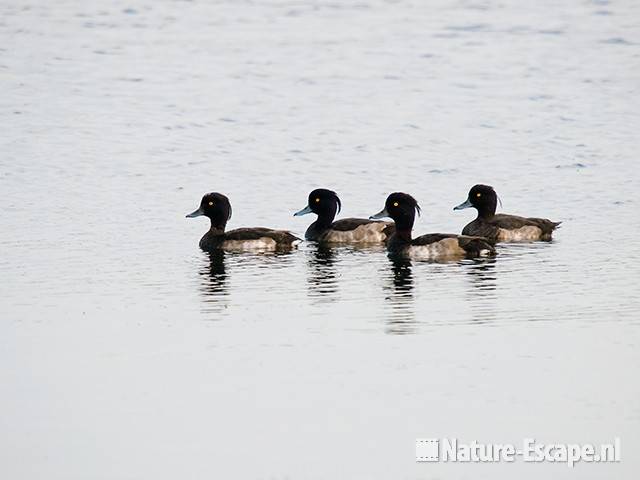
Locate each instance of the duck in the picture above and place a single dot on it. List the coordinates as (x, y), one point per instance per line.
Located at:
(326, 204)
(502, 227)
(402, 208)
(217, 208)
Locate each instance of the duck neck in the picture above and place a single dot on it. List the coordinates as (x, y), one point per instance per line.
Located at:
(486, 212)
(399, 240)
(324, 220)
(404, 225)
(317, 228)
(217, 226)
(403, 235)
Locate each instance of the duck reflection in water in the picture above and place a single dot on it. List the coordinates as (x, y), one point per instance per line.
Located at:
(483, 274)
(322, 278)
(399, 297)
(213, 280)
(482, 295)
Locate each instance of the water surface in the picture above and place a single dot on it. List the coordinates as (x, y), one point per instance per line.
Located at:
(127, 352)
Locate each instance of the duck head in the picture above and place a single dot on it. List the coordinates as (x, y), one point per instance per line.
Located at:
(483, 198)
(216, 207)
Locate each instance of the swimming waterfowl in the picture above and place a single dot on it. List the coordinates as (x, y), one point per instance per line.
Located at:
(502, 227)
(217, 208)
(402, 208)
(325, 203)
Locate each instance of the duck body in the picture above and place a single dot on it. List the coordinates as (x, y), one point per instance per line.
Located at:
(511, 228)
(217, 208)
(503, 227)
(351, 230)
(326, 204)
(248, 239)
(401, 207)
(441, 245)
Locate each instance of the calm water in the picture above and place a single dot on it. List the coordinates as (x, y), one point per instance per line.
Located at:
(127, 353)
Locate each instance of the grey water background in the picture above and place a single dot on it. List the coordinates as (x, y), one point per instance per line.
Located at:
(126, 353)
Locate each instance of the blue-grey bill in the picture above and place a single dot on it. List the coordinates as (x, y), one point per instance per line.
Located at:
(195, 213)
(304, 211)
(463, 205)
(381, 214)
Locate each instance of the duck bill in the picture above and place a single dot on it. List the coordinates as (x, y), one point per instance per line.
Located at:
(381, 214)
(304, 211)
(196, 213)
(463, 205)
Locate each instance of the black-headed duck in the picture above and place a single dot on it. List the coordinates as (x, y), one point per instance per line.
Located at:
(402, 208)
(502, 227)
(326, 204)
(217, 208)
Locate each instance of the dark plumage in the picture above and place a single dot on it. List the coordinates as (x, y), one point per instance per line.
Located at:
(502, 227)
(326, 204)
(217, 208)
(402, 208)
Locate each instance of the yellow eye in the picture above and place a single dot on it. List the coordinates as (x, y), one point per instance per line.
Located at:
(395, 204)
(478, 195)
(317, 200)
(211, 204)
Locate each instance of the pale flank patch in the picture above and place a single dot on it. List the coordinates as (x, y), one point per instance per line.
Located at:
(522, 234)
(368, 233)
(449, 247)
(263, 243)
